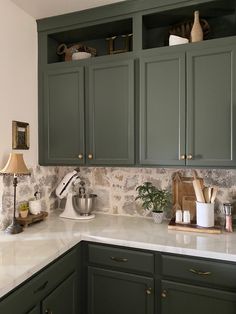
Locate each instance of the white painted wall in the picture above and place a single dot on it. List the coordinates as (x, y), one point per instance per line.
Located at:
(18, 78)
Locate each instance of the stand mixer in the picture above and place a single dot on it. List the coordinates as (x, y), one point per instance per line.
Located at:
(77, 206)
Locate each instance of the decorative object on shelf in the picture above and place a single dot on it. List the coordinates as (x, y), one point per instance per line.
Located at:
(196, 31)
(68, 51)
(153, 199)
(20, 135)
(81, 55)
(30, 219)
(177, 40)
(15, 167)
(126, 40)
(184, 29)
(35, 206)
(23, 209)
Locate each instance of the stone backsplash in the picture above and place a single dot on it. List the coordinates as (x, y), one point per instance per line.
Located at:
(115, 187)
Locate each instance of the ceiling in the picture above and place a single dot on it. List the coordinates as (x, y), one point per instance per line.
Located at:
(45, 8)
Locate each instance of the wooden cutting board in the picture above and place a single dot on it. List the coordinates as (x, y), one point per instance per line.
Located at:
(193, 227)
(183, 194)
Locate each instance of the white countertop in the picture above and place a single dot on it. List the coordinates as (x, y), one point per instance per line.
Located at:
(24, 254)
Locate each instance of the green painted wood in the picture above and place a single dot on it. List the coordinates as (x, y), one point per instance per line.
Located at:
(185, 299)
(62, 120)
(162, 109)
(63, 299)
(119, 293)
(110, 115)
(35, 310)
(211, 106)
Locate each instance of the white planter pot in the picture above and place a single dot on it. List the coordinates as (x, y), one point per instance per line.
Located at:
(158, 217)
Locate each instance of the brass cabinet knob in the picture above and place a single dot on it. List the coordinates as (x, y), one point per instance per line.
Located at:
(164, 294)
(90, 156)
(80, 156)
(182, 157)
(148, 291)
(189, 156)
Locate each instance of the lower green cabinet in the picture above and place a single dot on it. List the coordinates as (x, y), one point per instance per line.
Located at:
(119, 293)
(63, 299)
(183, 298)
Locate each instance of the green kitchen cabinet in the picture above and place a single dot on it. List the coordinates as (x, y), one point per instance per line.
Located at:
(211, 106)
(63, 299)
(119, 293)
(35, 310)
(110, 131)
(62, 117)
(188, 106)
(162, 109)
(183, 298)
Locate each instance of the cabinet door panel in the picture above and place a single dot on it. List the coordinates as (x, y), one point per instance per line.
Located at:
(63, 117)
(111, 113)
(185, 299)
(63, 299)
(162, 110)
(118, 293)
(211, 107)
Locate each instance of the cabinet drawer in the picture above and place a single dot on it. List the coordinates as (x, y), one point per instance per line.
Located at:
(201, 271)
(121, 258)
(26, 296)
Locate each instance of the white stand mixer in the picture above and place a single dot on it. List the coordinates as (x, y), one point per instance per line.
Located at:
(65, 189)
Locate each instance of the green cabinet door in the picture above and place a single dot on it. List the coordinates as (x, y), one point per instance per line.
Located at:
(63, 299)
(110, 116)
(119, 293)
(162, 109)
(35, 310)
(181, 298)
(62, 117)
(211, 106)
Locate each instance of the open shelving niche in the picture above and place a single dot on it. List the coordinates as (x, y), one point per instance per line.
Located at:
(220, 15)
(93, 36)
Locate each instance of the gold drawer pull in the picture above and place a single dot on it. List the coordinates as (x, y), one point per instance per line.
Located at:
(200, 273)
(42, 287)
(119, 259)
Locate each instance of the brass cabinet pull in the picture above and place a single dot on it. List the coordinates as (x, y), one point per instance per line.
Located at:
(189, 156)
(80, 156)
(149, 291)
(119, 259)
(200, 273)
(41, 287)
(164, 294)
(182, 157)
(90, 156)
(48, 311)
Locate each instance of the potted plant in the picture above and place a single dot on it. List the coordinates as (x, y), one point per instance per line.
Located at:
(23, 209)
(153, 199)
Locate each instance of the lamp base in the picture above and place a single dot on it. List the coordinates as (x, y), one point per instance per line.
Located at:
(14, 228)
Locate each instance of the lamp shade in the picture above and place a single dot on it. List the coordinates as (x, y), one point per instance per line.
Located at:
(15, 165)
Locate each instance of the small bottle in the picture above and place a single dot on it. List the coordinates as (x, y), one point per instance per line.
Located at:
(228, 217)
(196, 32)
(186, 217)
(178, 216)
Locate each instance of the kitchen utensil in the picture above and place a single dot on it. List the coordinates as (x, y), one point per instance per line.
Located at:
(207, 191)
(84, 204)
(214, 192)
(176, 205)
(228, 217)
(205, 214)
(198, 189)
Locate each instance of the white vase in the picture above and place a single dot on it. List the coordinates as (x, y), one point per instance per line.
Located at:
(158, 217)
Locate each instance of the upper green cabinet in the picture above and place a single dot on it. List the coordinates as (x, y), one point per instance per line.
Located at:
(162, 109)
(62, 117)
(188, 108)
(107, 97)
(110, 132)
(211, 106)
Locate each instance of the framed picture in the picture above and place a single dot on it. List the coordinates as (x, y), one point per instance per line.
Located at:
(20, 135)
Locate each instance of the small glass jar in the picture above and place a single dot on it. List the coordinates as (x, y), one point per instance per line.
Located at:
(186, 217)
(178, 216)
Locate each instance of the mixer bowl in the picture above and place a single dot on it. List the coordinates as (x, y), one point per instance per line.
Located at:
(85, 204)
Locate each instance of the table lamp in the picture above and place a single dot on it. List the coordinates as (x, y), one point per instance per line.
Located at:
(15, 167)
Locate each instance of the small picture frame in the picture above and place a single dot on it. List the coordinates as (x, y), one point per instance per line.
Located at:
(20, 135)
